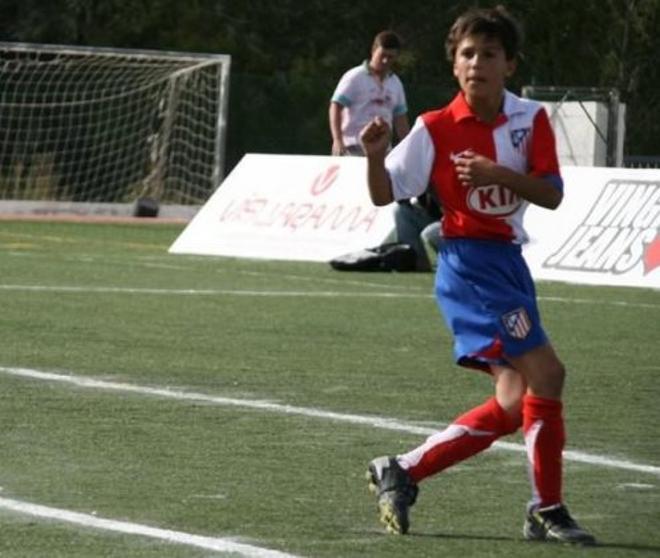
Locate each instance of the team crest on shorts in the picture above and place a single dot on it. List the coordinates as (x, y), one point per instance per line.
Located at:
(517, 323)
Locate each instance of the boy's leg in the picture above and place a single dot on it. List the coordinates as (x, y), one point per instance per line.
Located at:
(394, 479)
(471, 432)
(468, 435)
(543, 424)
(543, 427)
(396, 492)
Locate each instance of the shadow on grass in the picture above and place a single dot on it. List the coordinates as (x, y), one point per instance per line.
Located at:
(601, 545)
(636, 547)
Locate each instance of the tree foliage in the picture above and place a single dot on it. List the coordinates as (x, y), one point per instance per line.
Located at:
(288, 55)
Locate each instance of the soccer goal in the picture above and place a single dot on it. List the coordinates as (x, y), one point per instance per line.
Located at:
(589, 123)
(82, 124)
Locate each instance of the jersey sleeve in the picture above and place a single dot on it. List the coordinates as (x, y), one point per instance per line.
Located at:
(409, 164)
(543, 152)
(344, 93)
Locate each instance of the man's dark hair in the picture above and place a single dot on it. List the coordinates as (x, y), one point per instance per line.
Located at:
(494, 23)
(387, 39)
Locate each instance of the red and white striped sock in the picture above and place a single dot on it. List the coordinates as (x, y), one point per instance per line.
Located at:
(469, 434)
(543, 426)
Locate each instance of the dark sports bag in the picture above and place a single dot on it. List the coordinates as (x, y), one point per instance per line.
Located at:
(393, 256)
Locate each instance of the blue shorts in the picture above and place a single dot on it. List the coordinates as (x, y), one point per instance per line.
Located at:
(487, 297)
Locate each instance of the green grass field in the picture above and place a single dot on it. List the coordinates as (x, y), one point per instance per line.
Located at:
(230, 398)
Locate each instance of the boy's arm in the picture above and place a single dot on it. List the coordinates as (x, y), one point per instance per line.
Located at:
(476, 170)
(536, 190)
(375, 138)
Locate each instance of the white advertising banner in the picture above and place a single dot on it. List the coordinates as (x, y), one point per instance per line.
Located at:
(314, 208)
(288, 207)
(605, 232)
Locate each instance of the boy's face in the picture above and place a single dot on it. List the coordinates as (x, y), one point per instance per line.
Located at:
(481, 67)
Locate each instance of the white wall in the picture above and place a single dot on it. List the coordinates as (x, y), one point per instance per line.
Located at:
(576, 126)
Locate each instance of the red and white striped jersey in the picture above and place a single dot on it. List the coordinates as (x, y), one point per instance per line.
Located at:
(521, 138)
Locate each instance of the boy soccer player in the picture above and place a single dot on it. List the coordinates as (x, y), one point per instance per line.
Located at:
(488, 155)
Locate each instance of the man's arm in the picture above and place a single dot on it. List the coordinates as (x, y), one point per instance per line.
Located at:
(338, 147)
(375, 138)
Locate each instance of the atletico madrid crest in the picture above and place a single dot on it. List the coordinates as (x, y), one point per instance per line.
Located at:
(517, 323)
(519, 136)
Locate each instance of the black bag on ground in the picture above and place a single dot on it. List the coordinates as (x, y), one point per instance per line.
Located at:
(393, 256)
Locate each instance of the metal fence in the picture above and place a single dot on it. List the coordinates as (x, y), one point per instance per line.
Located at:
(641, 162)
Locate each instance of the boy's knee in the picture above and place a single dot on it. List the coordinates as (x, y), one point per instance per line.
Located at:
(550, 381)
(557, 374)
(544, 372)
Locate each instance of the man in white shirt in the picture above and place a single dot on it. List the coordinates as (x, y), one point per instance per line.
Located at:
(373, 90)
(366, 91)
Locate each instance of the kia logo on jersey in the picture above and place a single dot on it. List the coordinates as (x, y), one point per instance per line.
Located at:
(493, 200)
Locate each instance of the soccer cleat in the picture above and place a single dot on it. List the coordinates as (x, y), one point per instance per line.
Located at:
(396, 492)
(555, 524)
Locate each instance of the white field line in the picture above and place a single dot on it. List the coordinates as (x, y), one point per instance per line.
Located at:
(294, 294)
(177, 537)
(384, 423)
(205, 292)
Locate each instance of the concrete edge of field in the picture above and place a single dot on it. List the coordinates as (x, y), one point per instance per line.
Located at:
(92, 212)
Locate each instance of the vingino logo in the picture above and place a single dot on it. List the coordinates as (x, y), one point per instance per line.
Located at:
(619, 233)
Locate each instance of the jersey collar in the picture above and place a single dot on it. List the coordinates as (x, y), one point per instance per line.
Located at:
(462, 111)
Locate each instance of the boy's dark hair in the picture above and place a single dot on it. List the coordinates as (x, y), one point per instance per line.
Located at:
(496, 23)
(387, 39)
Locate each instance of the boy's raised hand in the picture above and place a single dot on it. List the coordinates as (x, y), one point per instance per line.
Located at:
(375, 137)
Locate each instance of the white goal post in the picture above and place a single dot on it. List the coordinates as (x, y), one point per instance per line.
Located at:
(589, 123)
(109, 125)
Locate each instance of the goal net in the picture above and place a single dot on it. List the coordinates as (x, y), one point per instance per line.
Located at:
(589, 123)
(111, 125)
